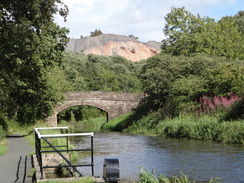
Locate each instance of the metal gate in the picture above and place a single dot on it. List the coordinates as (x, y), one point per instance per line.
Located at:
(40, 149)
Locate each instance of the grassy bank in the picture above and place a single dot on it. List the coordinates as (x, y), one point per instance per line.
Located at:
(202, 127)
(88, 125)
(153, 177)
(3, 147)
(13, 127)
(83, 180)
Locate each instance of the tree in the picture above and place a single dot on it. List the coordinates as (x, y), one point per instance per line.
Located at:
(133, 37)
(221, 39)
(97, 32)
(180, 29)
(31, 46)
(177, 82)
(188, 34)
(239, 20)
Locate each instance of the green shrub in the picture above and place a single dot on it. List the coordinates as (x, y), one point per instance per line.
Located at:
(118, 124)
(63, 171)
(2, 133)
(204, 127)
(91, 124)
(153, 177)
(3, 122)
(236, 111)
(3, 146)
(81, 180)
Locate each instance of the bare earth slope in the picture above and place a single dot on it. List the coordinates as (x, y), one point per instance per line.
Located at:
(110, 44)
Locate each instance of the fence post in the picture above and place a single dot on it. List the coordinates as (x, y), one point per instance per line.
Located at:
(67, 140)
(92, 155)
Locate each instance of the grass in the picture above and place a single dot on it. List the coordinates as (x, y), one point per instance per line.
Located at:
(202, 127)
(153, 177)
(82, 180)
(3, 146)
(119, 123)
(88, 125)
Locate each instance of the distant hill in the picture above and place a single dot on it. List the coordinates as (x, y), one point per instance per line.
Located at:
(110, 44)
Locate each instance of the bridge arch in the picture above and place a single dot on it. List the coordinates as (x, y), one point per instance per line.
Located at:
(113, 103)
(84, 103)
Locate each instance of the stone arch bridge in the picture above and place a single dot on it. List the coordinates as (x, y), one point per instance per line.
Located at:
(113, 103)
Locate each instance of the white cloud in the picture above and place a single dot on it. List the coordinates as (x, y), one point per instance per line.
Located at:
(142, 18)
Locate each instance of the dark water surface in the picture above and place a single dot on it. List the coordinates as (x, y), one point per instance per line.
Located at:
(199, 160)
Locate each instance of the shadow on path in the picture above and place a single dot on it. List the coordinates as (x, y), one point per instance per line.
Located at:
(15, 166)
(23, 169)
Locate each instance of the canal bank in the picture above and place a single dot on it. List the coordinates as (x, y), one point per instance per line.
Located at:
(199, 160)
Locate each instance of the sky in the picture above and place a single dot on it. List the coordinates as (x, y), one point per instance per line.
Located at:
(141, 18)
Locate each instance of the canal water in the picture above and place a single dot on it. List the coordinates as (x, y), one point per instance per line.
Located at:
(199, 160)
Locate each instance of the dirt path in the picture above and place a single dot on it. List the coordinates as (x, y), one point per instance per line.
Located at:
(16, 164)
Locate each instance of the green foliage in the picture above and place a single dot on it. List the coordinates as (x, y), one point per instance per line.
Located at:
(203, 127)
(180, 28)
(2, 133)
(97, 73)
(80, 113)
(153, 177)
(81, 180)
(97, 32)
(3, 146)
(3, 122)
(147, 177)
(226, 78)
(118, 124)
(91, 124)
(133, 37)
(157, 79)
(236, 111)
(31, 45)
(175, 84)
(86, 125)
(188, 34)
(101, 73)
(63, 171)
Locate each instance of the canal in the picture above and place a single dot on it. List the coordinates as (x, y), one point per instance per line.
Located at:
(199, 160)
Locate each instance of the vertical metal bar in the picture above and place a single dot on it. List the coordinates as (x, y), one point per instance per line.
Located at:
(92, 165)
(36, 145)
(40, 163)
(67, 140)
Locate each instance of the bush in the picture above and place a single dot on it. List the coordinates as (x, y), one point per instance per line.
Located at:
(118, 124)
(204, 127)
(180, 82)
(3, 146)
(3, 122)
(148, 177)
(3, 126)
(236, 111)
(2, 133)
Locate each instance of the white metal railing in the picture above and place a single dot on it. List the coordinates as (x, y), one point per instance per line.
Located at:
(39, 136)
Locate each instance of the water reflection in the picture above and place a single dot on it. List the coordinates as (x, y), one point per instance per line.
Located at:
(197, 159)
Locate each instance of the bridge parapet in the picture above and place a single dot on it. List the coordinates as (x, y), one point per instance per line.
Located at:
(114, 103)
(101, 95)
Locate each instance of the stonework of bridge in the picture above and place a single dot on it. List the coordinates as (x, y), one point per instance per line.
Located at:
(113, 103)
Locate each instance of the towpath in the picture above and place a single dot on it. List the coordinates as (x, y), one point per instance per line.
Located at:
(15, 165)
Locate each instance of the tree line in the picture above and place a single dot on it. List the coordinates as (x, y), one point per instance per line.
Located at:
(199, 57)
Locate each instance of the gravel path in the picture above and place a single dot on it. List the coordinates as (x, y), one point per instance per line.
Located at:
(16, 164)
